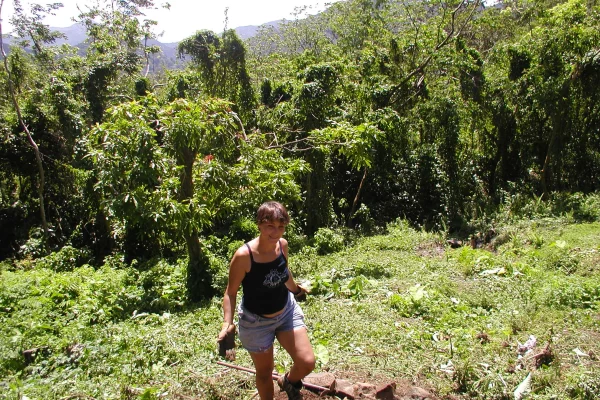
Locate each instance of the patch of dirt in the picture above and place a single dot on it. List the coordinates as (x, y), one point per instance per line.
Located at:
(358, 386)
(279, 395)
(340, 384)
(590, 261)
(431, 249)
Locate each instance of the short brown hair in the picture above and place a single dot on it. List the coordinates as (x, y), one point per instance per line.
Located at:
(272, 211)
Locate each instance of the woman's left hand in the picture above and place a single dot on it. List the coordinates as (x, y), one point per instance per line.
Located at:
(300, 294)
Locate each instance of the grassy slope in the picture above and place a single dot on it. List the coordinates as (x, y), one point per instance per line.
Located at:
(397, 306)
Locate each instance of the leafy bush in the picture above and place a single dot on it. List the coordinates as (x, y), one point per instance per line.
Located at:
(572, 293)
(297, 240)
(474, 261)
(66, 259)
(580, 206)
(413, 304)
(221, 246)
(219, 268)
(164, 286)
(365, 222)
(244, 229)
(584, 386)
(328, 241)
(53, 302)
(34, 247)
(559, 258)
(371, 269)
(356, 287)
(321, 285)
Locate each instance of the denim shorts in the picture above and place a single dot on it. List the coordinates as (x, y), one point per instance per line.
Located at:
(257, 333)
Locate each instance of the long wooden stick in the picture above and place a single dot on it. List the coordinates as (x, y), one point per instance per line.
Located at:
(309, 386)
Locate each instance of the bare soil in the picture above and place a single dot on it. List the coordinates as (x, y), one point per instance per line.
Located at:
(361, 388)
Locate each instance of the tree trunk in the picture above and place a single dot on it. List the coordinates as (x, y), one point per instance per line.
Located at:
(559, 121)
(36, 150)
(357, 197)
(318, 193)
(199, 279)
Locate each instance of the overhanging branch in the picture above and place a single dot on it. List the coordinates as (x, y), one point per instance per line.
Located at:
(454, 32)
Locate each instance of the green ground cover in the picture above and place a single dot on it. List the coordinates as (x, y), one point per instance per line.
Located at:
(402, 306)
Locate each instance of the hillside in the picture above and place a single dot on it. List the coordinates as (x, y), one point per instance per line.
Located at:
(75, 35)
(440, 164)
(400, 308)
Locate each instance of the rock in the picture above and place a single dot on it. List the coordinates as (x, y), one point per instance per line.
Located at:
(420, 394)
(324, 379)
(343, 388)
(410, 392)
(454, 243)
(364, 390)
(385, 391)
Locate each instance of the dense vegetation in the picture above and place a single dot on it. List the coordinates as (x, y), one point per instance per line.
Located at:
(402, 306)
(123, 193)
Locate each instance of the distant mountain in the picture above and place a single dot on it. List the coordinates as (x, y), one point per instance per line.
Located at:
(248, 31)
(75, 35)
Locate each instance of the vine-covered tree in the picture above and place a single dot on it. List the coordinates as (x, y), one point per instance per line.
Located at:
(221, 64)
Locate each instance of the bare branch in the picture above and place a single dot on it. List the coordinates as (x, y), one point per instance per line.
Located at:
(235, 116)
(450, 35)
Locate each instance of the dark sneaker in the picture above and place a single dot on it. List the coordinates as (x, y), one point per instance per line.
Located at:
(292, 391)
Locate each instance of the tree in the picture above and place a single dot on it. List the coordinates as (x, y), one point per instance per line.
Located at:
(39, 34)
(356, 144)
(553, 112)
(221, 63)
(116, 50)
(169, 171)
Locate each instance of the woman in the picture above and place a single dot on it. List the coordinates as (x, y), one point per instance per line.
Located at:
(268, 309)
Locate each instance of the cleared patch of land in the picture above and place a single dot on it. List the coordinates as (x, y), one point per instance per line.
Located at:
(400, 307)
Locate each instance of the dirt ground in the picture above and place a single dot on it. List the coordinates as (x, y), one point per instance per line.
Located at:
(342, 384)
(358, 387)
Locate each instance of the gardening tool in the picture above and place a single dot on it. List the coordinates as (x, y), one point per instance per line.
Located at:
(320, 390)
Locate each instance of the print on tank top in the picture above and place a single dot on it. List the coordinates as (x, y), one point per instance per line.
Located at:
(274, 278)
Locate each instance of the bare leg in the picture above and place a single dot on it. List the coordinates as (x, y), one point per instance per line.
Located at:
(263, 363)
(297, 344)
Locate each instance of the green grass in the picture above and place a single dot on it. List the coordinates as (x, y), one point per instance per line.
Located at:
(399, 306)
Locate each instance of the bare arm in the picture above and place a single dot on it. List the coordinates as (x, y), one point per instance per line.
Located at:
(291, 284)
(237, 270)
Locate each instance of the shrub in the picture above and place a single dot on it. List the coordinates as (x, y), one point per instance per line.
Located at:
(413, 304)
(164, 286)
(573, 293)
(371, 269)
(560, 258)
(328, 241)
(66, 259)
(34, 247)
(580, 206)
(364, 221)
(584, 386)
(244, 229)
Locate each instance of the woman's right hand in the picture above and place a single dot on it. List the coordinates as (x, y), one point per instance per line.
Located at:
(226, 341)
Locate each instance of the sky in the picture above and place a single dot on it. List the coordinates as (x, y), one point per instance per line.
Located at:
(185, 17)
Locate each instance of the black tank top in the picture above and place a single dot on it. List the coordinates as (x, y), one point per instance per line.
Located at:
(264, 286)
